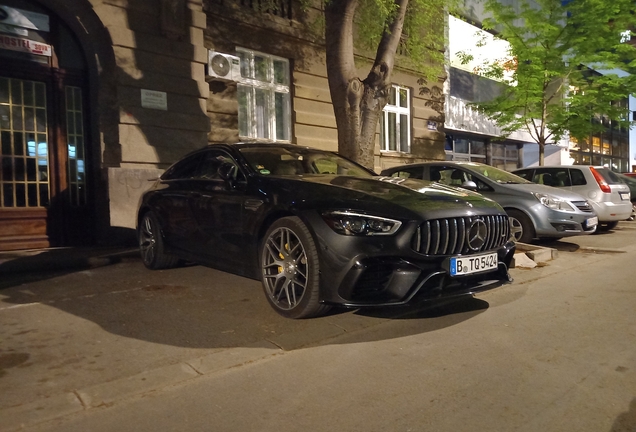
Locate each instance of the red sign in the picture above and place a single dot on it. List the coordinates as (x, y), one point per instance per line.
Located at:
(24, 45)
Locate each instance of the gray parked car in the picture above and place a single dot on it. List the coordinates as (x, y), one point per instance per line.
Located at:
(630, 181)
(607, 193)
(535, 211)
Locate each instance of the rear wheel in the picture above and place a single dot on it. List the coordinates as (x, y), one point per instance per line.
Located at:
(289, 269)
(151, 244)
(521, 228)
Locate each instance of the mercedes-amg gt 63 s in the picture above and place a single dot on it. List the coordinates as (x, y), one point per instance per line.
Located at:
(320, 230)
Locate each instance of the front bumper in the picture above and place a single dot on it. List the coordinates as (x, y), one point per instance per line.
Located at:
(358, 271)
(553, 223)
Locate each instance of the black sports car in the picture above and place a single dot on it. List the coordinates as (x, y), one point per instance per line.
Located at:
(320, 230)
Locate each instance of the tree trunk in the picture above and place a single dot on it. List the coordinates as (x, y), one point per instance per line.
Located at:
(358, 103)
(541, 152)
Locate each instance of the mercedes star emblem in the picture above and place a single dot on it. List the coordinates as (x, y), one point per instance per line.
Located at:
(477, 233)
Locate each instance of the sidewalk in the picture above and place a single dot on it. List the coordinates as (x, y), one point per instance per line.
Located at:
(62, 259)
(96, 336)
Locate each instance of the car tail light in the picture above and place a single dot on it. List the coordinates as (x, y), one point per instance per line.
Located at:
(601, 181)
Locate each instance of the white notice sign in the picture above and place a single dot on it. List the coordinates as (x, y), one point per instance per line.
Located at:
(154, 99)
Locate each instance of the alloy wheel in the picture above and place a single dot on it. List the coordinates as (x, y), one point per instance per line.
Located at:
(285, 268)
(147, 240)
(516, 229)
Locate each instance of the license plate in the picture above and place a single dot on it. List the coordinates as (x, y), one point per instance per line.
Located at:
(473, 264)
(591, 222)
(624, 195)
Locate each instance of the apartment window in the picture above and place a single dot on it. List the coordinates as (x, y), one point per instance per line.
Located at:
(505, 156)
(76, 150)
(465, 149)
(396, 121)
(263, 97)
(24, 144)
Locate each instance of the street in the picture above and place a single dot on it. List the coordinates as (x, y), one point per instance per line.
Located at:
(119, 348)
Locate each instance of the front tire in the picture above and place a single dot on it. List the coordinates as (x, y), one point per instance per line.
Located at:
(290, 270)
(521, 228)
(606, 226)
(151, 244)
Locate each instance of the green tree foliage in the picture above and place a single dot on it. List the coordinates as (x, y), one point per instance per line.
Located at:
(375, 30)
(553, 87)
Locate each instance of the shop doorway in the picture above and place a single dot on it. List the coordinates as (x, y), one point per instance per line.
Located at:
(45, 190)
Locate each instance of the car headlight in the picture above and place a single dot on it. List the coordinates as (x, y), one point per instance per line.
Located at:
(553, 202)
(349, 223)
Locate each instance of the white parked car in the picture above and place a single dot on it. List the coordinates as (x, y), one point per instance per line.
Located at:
(609, 196)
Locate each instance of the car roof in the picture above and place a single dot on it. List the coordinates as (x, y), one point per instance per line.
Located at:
(420, 164)
(255, 144)
(561, 166)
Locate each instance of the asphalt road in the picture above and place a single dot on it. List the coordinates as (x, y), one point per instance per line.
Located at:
(194, 349)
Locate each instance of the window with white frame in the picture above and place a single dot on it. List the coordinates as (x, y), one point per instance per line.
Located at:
(263, 97)
(396, 121)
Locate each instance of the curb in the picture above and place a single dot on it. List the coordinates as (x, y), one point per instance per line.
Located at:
(113, 392)
(529, 255)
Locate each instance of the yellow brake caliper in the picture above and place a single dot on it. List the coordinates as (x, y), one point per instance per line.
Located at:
(280, 254)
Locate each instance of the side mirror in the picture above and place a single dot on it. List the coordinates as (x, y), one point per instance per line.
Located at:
(470, 185)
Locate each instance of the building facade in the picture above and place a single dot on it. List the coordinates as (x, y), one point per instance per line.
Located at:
(99, 96)
(472, 136)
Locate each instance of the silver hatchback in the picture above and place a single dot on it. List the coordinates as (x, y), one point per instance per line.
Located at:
(609, 196)
(535, 211)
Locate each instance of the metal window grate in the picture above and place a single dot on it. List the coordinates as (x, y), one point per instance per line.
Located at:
(24, 147)
(280, 8)
(451, 236)
(76, 146)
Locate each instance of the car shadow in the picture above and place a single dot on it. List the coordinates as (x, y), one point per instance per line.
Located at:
(626, 422)
(24, 267)
(200, 307)
(560, 245)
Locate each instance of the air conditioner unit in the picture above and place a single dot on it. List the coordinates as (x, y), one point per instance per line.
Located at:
(223, 67)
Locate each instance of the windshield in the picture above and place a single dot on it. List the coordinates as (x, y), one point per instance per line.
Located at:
(496, 174)
(280, 161)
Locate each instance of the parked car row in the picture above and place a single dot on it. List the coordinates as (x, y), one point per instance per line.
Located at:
(542, 202)
(604, 189)
(319, 230)
(535, 210)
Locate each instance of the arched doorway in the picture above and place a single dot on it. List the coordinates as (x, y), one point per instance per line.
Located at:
(46, 196)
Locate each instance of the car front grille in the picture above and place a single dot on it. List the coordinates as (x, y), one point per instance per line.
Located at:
(584, 206)
(463, 235)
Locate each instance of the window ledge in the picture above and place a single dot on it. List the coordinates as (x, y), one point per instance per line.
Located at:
(397, 154)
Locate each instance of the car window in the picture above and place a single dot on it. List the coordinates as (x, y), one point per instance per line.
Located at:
(184, 169)
(208, 169)
(414, 172)
(577, 177)
(286, 161)
(457, 177)
(495, 174)
(527, 174)
(557, 177)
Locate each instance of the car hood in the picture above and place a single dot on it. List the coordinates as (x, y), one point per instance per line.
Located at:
(388, 196)
(543, 189)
